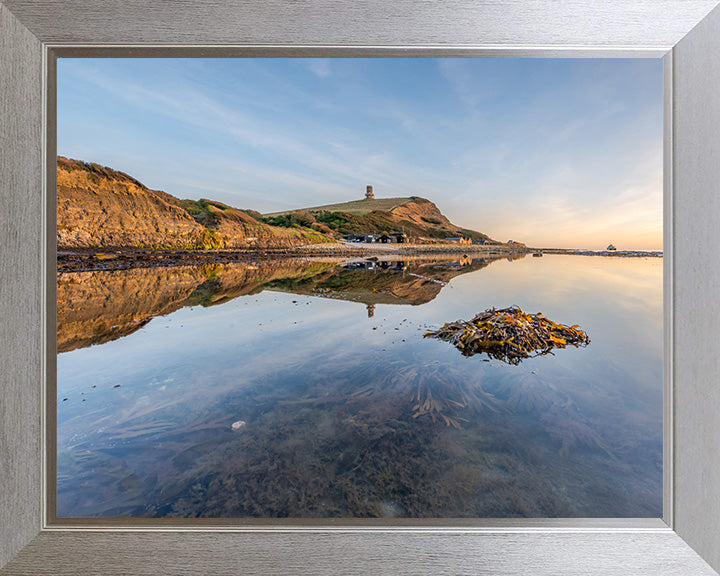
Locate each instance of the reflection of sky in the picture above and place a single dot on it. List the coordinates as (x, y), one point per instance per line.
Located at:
(181, 368)
(563, 152)
(618, 302)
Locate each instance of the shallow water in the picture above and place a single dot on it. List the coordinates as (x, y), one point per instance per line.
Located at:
(323, 363)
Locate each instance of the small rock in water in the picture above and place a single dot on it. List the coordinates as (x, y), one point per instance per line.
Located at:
(239, 424)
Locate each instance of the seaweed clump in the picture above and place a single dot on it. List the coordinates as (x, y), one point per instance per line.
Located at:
(509, 335)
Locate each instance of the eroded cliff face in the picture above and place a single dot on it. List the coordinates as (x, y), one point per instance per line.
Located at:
(227, 227)
(101, 207)
(97, 206)
(431, 223)
(422, 212)
(420, 219)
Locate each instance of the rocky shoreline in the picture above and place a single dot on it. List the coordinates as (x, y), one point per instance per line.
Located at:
(94, 259)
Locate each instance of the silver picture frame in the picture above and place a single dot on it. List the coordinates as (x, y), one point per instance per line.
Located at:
(685, 33)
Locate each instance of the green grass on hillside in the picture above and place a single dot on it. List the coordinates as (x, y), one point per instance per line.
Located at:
(360, 207)
(202, 211)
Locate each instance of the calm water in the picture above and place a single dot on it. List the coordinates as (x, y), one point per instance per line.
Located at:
(319, 365)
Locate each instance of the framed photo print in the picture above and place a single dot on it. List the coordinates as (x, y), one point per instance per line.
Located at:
(172, 400)
(349, 291)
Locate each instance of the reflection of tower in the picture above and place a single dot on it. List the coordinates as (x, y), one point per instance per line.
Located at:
(369, 193)
(371, 310)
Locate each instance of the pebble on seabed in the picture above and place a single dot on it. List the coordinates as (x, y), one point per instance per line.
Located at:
(239, 424)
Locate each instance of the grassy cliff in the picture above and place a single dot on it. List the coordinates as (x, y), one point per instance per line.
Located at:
(101, 207)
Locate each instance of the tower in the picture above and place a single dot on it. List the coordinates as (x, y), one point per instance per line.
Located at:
(369, 193)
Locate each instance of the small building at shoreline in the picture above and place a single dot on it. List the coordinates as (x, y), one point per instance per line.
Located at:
(458, 240)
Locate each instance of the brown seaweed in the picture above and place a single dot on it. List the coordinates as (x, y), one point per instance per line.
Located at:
(509, 335)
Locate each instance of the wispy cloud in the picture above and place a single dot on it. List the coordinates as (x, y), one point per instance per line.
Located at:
(307, 151)
(318, 66)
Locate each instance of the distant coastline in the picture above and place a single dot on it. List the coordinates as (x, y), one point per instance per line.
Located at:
(583, 252)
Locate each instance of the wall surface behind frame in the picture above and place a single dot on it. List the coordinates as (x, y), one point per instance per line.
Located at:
(20, 294)
(697, 288)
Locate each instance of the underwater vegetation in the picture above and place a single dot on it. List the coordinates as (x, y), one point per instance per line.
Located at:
(509, 335)
(339, 447)
(440, 395)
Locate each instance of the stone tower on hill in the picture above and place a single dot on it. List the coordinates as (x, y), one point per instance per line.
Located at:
(369, 193)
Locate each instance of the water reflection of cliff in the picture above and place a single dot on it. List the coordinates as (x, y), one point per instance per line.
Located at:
(97, 307)
(372, 282)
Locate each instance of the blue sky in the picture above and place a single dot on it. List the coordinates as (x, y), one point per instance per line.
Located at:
(562, 152)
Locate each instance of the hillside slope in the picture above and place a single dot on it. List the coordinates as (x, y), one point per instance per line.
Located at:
(98, 207)
(364, 206)
(418, 217)
(101, 207)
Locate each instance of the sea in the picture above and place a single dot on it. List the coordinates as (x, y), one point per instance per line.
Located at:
(308, 388)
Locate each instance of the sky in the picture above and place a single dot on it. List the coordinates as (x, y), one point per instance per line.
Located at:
(551, 152)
